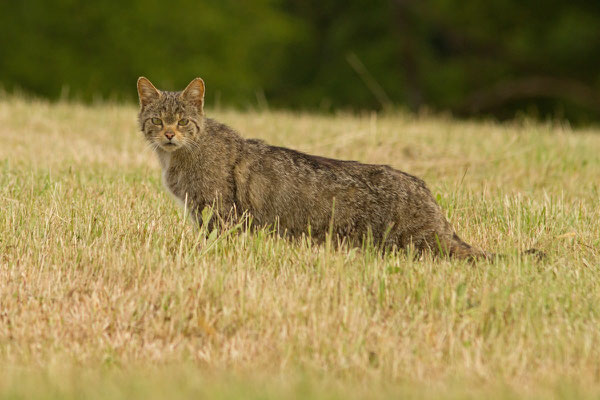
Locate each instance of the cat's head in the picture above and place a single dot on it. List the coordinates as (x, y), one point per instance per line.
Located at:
(170, 120)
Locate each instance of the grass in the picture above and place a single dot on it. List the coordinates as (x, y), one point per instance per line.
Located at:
(106, 291)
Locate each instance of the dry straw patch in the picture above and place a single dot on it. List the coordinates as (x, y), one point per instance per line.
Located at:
(103, 284)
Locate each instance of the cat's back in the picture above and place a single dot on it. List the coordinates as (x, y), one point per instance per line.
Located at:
(268, 172)
(265, 157)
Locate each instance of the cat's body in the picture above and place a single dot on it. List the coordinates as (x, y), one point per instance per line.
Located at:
(206, 163)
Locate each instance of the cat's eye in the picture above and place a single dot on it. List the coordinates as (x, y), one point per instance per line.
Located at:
(183, 122)
(156, 121)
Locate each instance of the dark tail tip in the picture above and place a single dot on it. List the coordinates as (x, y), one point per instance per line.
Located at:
(461, 250)
(538, 254)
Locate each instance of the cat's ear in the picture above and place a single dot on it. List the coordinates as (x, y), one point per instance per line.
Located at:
(147, 92)
(194, 93)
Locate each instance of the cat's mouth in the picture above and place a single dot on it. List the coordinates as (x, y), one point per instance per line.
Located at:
(169, 146)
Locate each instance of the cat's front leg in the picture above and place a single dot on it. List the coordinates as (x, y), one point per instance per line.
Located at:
(216, 214)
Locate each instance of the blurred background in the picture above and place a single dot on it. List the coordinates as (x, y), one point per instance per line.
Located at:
(500, 58)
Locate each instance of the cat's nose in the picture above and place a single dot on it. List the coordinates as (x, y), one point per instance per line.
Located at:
(169, 135)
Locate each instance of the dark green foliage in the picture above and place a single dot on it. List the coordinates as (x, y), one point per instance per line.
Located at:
(470, 57)
(101, 47)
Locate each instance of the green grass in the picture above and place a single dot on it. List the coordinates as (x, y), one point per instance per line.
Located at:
(106, 291)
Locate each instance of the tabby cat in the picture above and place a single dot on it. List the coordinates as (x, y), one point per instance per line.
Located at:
(206, 163)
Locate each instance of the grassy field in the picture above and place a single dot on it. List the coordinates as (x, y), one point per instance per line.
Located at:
(106, 291)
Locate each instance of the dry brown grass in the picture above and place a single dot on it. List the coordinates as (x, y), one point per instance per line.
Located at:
(103, 284)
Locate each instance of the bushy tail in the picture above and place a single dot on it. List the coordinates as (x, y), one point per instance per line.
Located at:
(457, 248)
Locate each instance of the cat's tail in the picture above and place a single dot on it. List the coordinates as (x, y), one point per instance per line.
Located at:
(458, 248)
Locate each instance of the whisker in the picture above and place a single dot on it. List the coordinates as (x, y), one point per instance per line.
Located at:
(191, 144)
(150, 146)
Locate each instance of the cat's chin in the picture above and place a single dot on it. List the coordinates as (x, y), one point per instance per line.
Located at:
(169, 147)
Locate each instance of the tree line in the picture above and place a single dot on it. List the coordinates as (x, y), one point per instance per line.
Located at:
(473, 57)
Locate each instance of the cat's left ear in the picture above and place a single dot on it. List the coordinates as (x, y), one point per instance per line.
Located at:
(194, 93)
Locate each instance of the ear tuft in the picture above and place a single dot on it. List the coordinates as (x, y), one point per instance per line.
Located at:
(147, 92)
(194, 93)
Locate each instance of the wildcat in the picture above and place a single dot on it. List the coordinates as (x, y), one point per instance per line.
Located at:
(206, 163)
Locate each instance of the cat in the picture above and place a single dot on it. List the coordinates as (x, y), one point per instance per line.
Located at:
(206, 163)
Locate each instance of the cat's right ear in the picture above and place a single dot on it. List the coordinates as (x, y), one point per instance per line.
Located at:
(147, 92)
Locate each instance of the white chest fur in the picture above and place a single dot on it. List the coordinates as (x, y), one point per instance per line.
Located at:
(165, 163)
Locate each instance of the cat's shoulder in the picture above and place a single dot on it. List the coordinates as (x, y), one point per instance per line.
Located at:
(213, 126)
